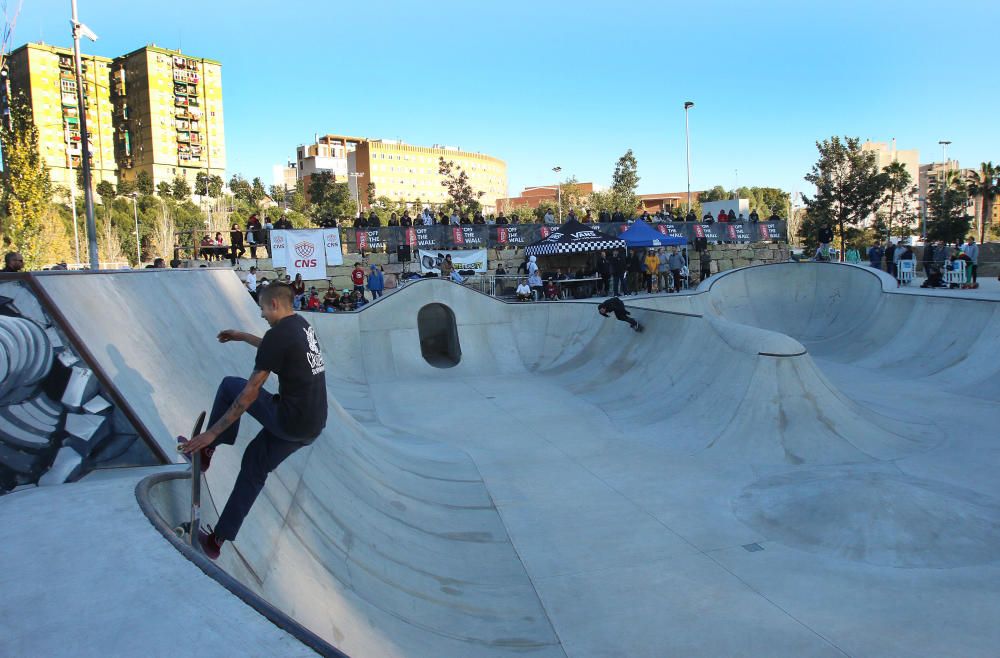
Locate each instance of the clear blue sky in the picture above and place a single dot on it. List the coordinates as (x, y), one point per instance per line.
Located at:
(575, 84)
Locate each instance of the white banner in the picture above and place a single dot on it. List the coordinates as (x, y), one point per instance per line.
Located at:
(464, 259)
(279, 240)
(305, 254)
(334, 254)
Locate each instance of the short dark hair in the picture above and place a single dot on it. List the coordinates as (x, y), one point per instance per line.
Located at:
(276, 290)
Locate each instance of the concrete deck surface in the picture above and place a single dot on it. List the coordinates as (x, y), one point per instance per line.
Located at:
(795, 460)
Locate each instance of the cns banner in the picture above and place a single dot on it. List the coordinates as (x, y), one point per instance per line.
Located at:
(466, 259)
(300, 252)
(331, 242)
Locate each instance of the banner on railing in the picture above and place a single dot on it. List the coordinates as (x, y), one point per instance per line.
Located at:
(301, 252)
(331, 242)
(464, 259)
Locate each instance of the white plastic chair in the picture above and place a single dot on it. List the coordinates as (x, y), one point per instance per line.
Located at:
(905, 271)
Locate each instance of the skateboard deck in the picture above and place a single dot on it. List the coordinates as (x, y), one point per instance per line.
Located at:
(190, 528)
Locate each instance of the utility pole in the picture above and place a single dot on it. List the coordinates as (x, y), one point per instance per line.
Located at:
(687, 133)
(558, 192)
(88, 192)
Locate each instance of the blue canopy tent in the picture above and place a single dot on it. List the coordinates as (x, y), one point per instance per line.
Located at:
(641, 234)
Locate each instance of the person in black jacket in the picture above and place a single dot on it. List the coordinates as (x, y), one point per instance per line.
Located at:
(604, 271)
(634, 282)
(236, 242)
(825, 235)
(615, 305)
(617, 265)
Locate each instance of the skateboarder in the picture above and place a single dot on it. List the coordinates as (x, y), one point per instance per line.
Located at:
(290, 420)
(615, 305)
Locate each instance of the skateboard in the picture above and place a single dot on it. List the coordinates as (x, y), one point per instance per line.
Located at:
(190, 528)
(638, 327)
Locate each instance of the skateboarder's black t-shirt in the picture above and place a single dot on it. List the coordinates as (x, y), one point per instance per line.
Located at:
(290, 350)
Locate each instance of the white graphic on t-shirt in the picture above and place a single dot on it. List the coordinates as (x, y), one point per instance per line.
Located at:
(314, 355)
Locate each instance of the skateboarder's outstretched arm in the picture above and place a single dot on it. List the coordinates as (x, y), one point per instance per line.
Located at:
(243, 401)
(227, 335)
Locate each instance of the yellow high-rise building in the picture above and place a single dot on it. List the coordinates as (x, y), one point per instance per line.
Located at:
(168, 111)
(47, 78)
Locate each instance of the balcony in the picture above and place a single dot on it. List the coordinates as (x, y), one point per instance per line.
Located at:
(181, 90)
(67, 75)
(183, 136)
(180, 101)
(65, 62)
(195, 138)
(179, 62)
(69, 99)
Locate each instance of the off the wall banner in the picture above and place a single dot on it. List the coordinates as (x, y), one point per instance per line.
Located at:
(465, 259)
(331, 243)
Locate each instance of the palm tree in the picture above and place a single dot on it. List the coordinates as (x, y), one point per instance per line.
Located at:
(985, 184)
(897, 180)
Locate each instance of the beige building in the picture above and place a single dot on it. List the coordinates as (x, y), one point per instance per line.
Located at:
(47, 77)
(168, 113)
(402, 172)
(886, 154)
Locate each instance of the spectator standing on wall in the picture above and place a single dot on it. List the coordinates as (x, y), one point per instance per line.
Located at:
(358, 279)
(825, 235)
(705, 261)
(875, 253)
(454, 220)
(971, 249)
(754, 217)
(549, 218)
(617, 265)
(676, 263)
(652, 264)
(236, 244)
(732, 215)
(604, 271)
(723, 217)
(890, 262)
(268, 227)
(376, 282)
(634, 282)
(255, 234)
(662, 270)
(853, 256)
(534, 278)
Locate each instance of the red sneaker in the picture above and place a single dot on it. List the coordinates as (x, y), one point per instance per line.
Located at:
(206, 453)
(210, 544)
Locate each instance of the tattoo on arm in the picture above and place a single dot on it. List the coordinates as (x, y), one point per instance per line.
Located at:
(242, 401)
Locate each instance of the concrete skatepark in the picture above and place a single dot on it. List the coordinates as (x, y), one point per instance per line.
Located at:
(795, 460)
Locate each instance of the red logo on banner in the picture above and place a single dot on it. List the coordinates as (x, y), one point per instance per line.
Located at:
(362, 239)
(662, 229)
(545, 231)
(765, 232)
(502, 235)
(411, 237)
(305, 249)
(457, 235)
(699, 232)
(731, 230)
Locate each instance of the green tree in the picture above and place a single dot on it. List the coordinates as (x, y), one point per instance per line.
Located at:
(164, 190)
(106, 190)
(898, 182)
(331, 201)
(985, 184)
(125, 186)
(717, 193)
(180, 190)
(27, 191)
(257, 191)
(241, 189)
(215, 185)
(371, 192)
(848, 184)
(144, 183)
(461, 196)
(947, 200)
(625, 182)
(201, 182)
(277, 193)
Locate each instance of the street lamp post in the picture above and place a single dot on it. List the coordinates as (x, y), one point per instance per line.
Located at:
(88, 194)
(138, 243)
(687, 140)
(558, 192)
(944, 155)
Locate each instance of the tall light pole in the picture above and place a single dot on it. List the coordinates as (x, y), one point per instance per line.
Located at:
(138, 244)
(944, 156)
(558, 192)
(88, 194)
(72, 199)
(687, 139)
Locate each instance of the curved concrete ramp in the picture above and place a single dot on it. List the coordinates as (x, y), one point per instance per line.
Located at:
(572, 488)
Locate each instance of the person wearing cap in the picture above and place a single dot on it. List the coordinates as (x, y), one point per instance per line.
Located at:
(376, 282)
(616, 306)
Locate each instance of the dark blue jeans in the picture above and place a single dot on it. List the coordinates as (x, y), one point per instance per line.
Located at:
(267, 450)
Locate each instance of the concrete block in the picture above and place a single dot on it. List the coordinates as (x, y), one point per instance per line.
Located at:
(68, 359)
(66, 464)
(747, 254)
(82, 386)
(89, 428)
(724, 264)
(378, 259)
(25, 302)
(740, 262)
(96, 405)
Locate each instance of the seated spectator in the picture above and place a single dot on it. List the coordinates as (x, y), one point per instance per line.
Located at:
(358, 300)
(707, 218)
(740, 218)
(456, 277)
(405, 219)
(732, 215)
(207, 247)
(523, 292)
(690, 217)
(331, 300)
(393, 221)
(723, 217)
(551, 290)
(754, 217)
(560, 275)
(313, 303)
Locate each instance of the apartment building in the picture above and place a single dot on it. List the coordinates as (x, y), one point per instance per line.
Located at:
(46, 76)
(402, 172)
(168, 115)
